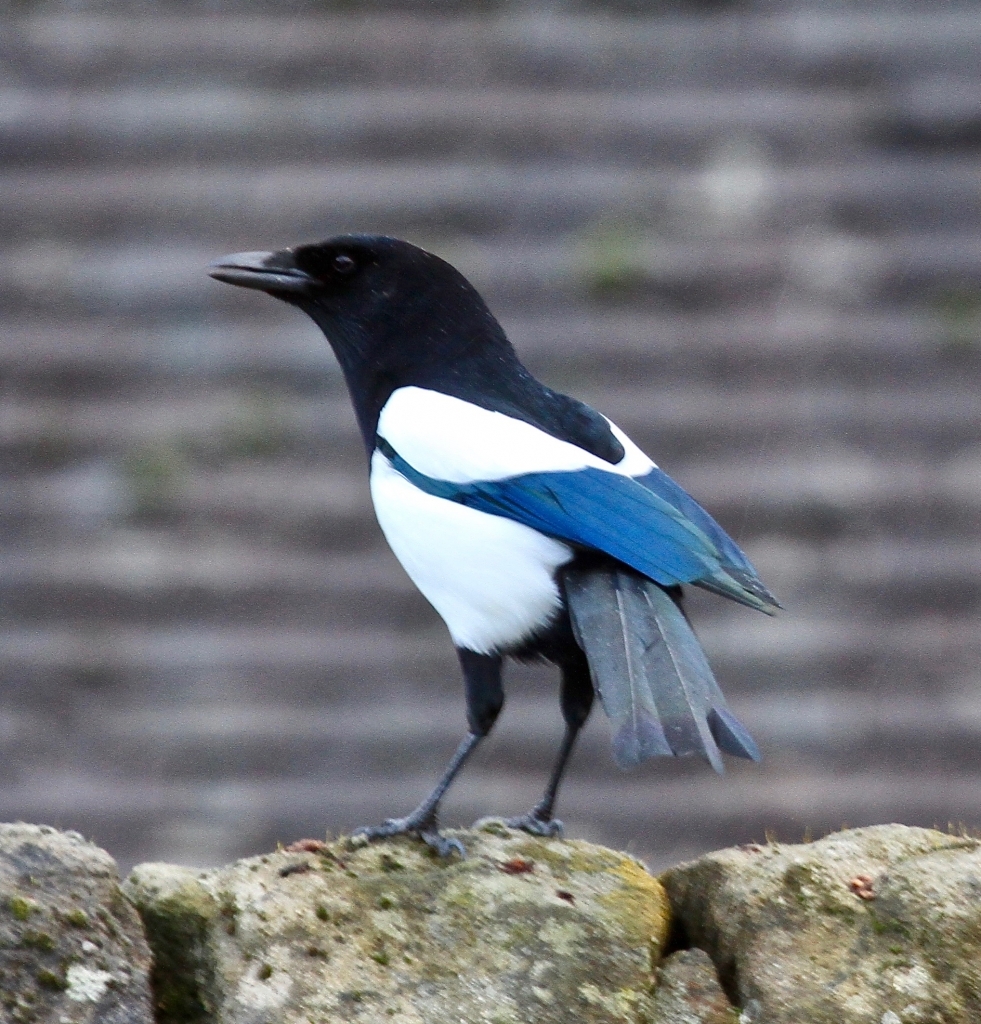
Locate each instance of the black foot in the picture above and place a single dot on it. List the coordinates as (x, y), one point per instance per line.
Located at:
(536, 825)
(425, 830)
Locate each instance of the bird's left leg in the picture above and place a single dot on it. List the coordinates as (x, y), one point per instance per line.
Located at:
(485, 698)
(577, 702)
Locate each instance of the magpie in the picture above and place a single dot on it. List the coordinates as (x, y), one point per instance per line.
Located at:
(534, 526)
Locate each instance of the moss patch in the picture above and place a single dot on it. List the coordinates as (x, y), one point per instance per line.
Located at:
(68, 940)
(864, 926)
(179, 915)
(523, 926)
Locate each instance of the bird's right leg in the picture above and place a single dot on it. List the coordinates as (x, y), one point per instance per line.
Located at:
(577, 702)
(485, 698)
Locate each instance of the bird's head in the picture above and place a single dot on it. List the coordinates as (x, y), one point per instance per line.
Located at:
(380, 297)
(393, 313)
(360, 274)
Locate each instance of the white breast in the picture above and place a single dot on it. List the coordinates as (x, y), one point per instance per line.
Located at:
(492, 580)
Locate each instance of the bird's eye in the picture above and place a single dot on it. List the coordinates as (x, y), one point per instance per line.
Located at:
(343, 265)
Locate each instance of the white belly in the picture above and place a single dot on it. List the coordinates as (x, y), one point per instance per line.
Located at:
(492, 580)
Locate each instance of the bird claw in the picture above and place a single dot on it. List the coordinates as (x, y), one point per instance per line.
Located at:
(442, 845)
(531, 822)
(389, 827)
(422, 828)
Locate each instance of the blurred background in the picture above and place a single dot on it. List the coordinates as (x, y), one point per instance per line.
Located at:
(746, 231)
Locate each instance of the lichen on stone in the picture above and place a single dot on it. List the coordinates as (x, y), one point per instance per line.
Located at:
(515, 933)
(847, 930)
(178, 913)
(72, 949)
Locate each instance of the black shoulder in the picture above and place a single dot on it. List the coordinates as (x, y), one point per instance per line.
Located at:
(574, 421)
(520, 396)
(498, 382)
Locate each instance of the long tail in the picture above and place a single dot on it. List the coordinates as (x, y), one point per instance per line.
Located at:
(649, 670)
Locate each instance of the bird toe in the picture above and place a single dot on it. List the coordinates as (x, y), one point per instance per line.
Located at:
(424, 830)
(530, 822)
(443, 846)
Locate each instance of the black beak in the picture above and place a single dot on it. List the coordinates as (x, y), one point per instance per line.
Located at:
(274, 272)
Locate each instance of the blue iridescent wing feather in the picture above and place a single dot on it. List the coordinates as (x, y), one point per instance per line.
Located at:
(736, 563)
(649, 524)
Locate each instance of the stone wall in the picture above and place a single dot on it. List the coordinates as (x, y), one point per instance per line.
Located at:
(869, 926)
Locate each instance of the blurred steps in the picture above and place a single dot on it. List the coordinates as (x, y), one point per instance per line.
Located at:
(943, 412)
(750, 237)
(811, 45)
(156, 580)
(51, 127)
(168, 279)
(896, 191)
(799, 339)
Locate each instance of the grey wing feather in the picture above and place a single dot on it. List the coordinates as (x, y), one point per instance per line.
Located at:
(649, 670)
(615, 640)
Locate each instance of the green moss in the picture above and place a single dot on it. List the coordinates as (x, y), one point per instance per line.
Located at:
(480, 909)
(228, 909)
(77, 918)
(814, 893)
(496, 828)
(798, 875)
(21, 908)
(847, 915)
(50, 980)
(521, 934)
(465, 899)
(564, 858)
(802, 886)
(541, 851)
(38, 940)
(889, 926)
(108, 922)
(177, 927)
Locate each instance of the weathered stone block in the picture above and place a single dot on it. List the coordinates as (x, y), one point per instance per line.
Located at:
(72, 949)
(688, 992)
(523, 930)
(873, 926)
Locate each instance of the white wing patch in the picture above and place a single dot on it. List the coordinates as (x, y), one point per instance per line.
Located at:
(450, 439)
(634, 461)
(491, 579)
